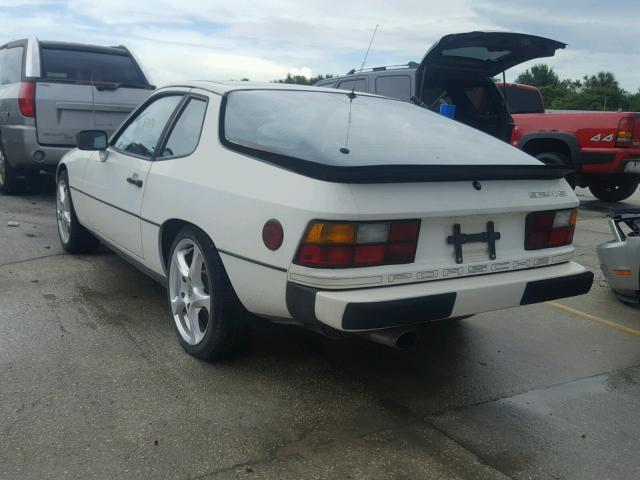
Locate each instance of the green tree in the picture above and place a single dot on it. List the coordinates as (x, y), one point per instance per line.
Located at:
(301, 79)
(540, 75)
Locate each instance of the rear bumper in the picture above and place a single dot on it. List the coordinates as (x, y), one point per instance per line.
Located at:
(386, 307)
(20, 142)
(607, 161)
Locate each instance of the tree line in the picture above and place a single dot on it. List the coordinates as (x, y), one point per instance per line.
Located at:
(593, 92)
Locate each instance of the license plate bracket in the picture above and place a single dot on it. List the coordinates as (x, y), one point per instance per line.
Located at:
(458, 239)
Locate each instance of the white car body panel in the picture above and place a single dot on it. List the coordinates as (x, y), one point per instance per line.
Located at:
(230, 196)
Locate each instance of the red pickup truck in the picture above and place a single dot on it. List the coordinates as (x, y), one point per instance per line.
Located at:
(604, 146)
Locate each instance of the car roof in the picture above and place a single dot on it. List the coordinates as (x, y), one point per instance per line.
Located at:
(222, 87)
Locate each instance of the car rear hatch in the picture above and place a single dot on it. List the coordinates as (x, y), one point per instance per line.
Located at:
(465, 229)
(83, 88)
(484, 53)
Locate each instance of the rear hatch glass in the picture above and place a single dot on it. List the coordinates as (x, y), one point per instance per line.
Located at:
(323, 134)
(82, 66)
(83, 89)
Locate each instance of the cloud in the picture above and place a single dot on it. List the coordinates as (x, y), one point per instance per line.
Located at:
(265, 39)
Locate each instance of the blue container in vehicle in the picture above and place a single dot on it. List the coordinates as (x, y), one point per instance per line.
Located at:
(447, 110)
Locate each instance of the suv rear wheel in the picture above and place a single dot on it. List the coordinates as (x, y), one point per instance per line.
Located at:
(10, 181)
(614, 191)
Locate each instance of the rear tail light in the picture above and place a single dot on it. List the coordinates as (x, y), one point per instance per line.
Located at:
(552, 228)
(636, 134)
(27, 99)
(625, 134)
(358, 244)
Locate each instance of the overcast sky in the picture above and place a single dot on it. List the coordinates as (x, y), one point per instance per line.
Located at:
(265, 39)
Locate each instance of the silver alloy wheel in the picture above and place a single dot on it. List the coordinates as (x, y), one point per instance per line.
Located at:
(63, 210)
(189, 291)
(2, 167)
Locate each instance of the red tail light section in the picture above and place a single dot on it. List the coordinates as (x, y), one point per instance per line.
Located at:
(626, 133)
(358, 244)
(27, 99)
(548, 229)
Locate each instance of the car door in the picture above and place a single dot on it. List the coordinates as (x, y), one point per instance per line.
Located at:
(115, 179)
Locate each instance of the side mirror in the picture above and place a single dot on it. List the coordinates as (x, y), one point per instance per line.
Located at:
(91, 140)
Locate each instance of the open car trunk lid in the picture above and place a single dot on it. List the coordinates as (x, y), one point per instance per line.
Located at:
(485, 53)
(85, 88)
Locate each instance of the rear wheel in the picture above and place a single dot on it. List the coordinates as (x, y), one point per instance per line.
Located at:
(10, 181)
(73, 236)
(207, 315)
(614, 191)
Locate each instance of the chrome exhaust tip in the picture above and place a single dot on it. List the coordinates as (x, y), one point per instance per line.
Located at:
(399, 338)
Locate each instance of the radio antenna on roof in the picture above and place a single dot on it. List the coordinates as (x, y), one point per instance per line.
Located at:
(368, 48)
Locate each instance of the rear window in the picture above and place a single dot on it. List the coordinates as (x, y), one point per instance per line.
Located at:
(81, 66)
(332, 128)
(520, 100)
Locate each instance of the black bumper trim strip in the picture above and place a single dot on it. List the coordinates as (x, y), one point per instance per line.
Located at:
(395, 313)
(554, 288)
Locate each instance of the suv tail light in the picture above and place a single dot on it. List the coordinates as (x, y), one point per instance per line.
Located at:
(358, 244)
(27, 99)
(552, 228)
(625, 134)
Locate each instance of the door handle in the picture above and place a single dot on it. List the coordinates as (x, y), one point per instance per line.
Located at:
(135, 181)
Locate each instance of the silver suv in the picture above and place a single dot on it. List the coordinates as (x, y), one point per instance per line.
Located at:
(49, 91)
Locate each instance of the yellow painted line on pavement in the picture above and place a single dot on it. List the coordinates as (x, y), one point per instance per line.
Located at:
(595, 318)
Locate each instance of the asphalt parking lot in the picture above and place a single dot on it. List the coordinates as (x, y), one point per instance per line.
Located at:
(93, 383)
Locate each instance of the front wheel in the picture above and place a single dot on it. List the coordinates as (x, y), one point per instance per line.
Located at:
(614, 191)
(206, 312)
(73, 236)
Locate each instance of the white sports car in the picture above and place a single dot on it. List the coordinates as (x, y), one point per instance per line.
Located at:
(338, 211)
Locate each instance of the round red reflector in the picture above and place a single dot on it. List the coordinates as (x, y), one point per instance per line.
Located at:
(272, 234)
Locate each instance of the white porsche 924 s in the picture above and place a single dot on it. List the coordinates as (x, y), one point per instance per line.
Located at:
(334, 210)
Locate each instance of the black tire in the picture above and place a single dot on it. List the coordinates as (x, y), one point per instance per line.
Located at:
(80, 240)
(555, 158)
(226, 332)
(11, 180)
(614, 191)
(552, 158)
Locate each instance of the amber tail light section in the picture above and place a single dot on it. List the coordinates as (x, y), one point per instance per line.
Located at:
(328, 244)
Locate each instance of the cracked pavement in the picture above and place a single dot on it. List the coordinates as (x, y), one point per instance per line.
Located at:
(93, 383)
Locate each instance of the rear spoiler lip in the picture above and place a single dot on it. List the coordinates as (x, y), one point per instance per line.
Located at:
(402, 173)
(430, 173)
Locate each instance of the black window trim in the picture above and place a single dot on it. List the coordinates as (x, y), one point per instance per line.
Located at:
(164, 138)
(400, 173)
(133, 116)
(354, 78)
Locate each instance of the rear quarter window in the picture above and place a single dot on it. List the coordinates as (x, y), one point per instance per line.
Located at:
(80, 66)
(11, 65)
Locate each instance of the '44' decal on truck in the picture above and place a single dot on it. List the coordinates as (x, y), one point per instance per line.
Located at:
(600, 138)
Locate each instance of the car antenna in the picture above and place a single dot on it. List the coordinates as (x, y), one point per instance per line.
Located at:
(351, 95)
(368, 48)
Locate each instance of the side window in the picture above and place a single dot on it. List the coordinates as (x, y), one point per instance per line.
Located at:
(185, 135)
(141, 136)
(394, 86)
(11, 65)
(357, 84)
